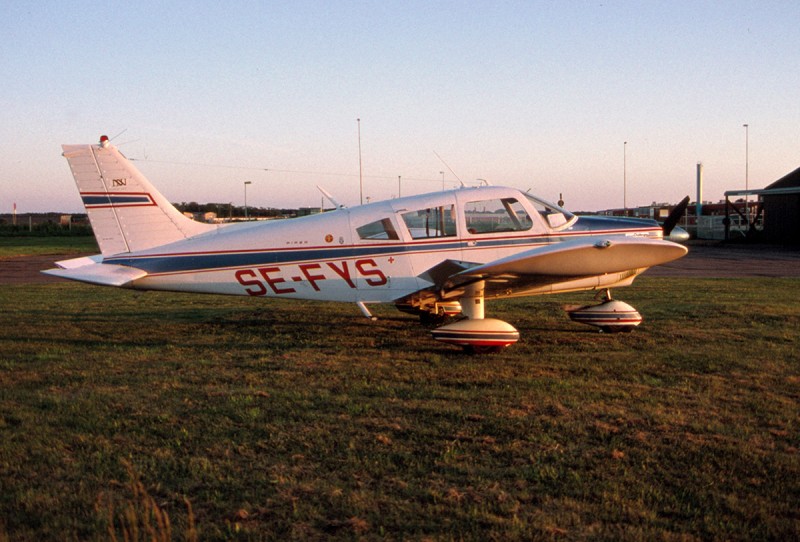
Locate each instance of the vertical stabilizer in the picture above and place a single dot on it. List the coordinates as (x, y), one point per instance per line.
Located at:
(127, 213)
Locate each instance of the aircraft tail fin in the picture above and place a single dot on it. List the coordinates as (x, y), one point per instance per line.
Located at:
(126, 212)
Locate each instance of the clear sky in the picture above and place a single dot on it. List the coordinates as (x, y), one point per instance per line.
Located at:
(534, 94)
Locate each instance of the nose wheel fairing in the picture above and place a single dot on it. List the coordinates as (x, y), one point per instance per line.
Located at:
(611, 316)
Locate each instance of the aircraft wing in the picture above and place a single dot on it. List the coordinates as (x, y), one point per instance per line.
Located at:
(91, 270)
(535, 270)
(582, 258)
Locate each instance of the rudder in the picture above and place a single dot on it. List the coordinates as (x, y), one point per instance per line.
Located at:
(126, 212)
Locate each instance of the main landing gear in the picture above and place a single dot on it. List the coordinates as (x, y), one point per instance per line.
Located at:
(611, 316)
(479, 335)
(476, 334)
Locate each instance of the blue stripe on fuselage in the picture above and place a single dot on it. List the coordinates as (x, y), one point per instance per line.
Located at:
(213, 261)
(178, 263)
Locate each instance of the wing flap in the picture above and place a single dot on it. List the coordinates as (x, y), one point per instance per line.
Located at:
(439, 273)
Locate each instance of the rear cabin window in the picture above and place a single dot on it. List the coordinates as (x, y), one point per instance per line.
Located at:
(432, 222)
(496, 215)
(380, 230)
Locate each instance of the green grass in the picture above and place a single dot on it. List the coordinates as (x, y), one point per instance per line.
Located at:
(299, 420)
(27, 246)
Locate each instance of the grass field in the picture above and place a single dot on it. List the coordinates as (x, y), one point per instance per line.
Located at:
(27, 246)
(126, 414)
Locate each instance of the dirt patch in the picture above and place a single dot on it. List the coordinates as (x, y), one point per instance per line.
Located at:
(732, 261)
(26, 269)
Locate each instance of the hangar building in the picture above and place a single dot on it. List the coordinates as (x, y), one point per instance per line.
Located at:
(779, 207)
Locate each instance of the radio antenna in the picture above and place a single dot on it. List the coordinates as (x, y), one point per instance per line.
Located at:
(448, 167)
(119, 134)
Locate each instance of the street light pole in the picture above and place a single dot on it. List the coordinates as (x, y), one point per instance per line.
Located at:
(360, 169)
(746, 172)
(625, 177)
(442, 174)
(246, 216)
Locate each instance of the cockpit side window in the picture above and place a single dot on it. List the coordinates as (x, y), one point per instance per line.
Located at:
(556, 217)
(380, 230)
(431, 222)
(496, 215)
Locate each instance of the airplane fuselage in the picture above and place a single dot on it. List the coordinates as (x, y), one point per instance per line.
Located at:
(373, 253)
(436, 255)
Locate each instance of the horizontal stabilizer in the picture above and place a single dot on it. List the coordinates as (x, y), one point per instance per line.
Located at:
(96, 273)
(80, 262)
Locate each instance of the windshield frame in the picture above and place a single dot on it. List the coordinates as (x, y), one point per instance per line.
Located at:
(547, 210)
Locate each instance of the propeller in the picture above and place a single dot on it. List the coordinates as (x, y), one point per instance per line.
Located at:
(675, 216)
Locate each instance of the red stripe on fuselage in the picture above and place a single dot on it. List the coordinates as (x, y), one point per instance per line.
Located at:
(425, 247)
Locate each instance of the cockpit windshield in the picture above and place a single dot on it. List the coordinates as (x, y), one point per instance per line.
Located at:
(556, 217)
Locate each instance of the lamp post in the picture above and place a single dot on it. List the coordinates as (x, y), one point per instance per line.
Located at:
(442, 174)
(746, 172)
(625, 177)
(399, 187)
(360, 169)
(246, 216)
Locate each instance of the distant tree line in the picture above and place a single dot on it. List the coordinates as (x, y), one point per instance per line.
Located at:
(228, 210)
(48, 228)
(50, 224)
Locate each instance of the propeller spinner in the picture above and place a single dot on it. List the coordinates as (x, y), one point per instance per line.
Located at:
(672, 221)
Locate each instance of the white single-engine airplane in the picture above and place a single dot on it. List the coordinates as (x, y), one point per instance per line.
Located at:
(436, 255)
